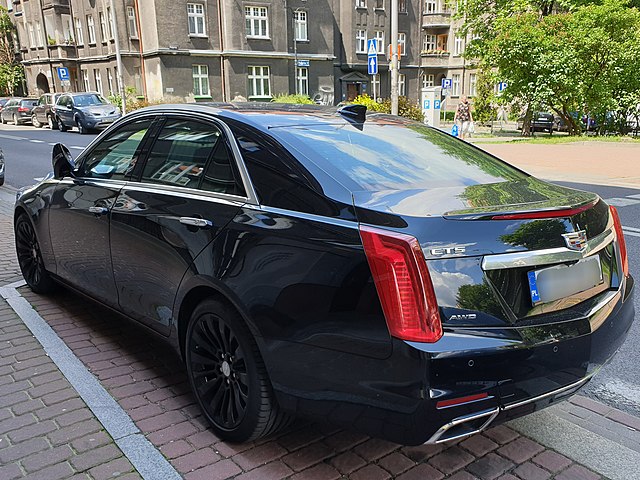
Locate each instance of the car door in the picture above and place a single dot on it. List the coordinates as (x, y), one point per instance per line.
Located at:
(189, 189)
(80, 210)
(39, 109)
(9, 109)
(64, 110)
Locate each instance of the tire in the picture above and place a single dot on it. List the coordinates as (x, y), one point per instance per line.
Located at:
(52, 122)
(30, 257)
(81, 128)
(228, 376)
(35, 122)
(2, 120)
(61, 126)
(15, 119)
(1, 180)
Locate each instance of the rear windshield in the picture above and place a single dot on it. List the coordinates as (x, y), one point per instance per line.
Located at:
(90, 99)
(394, 157)
(29, 103)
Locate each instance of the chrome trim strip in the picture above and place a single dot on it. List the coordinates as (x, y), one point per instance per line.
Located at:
(574, 385)
(543, 257)
(491, 413)
(176, 190)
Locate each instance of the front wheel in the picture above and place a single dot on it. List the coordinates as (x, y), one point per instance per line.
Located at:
(61, 126)
(15, 119)
(228, 375)
(81, 127)
(30, 257)
(35, 122)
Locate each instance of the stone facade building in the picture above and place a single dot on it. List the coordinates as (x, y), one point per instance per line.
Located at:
(215, 50)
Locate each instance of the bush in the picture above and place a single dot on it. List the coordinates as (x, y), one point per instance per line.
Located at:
(406, 108)
(136, 102)
(292, 98)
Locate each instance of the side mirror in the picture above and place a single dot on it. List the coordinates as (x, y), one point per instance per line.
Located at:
(63, 164)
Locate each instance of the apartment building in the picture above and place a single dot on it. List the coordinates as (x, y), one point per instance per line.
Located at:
(214, 50)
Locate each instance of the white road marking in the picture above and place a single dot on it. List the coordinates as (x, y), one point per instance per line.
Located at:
(38, 179)
(621, 202)
(36, 141)
(13, 137)
(637, 195)
(633, 229)
(630, 234)
(82, 148)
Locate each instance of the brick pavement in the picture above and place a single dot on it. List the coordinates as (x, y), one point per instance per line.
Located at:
(47, 432)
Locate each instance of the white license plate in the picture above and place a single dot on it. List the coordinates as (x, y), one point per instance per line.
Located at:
(554, 283)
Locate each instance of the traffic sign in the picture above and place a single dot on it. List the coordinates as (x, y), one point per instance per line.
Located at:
(447, 83)
(426, 105)
(63, 73)
(502, 86)
(303, 63)
(372, 47)
(372, 65)
(436, 104)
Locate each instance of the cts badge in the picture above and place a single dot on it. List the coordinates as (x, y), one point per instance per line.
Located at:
(576, 240)
(437, 252)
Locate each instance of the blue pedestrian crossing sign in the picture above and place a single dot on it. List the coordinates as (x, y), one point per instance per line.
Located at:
(372, 56)
(372, 47)
(447, 83)
(63, 73)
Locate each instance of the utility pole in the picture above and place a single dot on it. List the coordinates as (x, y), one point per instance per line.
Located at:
(119, 77)
(295, 48)
(394, 57)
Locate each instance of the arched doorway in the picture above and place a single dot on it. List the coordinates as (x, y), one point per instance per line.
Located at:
(42, 83)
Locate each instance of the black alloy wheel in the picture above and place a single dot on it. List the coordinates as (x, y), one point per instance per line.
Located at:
(81, 128)
(61, 126)
(228, 376)
(30, 257)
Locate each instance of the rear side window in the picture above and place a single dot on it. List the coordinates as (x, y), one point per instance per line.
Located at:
(393, 156)
(29, 103)
(192, 154)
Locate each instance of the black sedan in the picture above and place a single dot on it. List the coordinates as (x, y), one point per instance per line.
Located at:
(361, 269)
(540, 121)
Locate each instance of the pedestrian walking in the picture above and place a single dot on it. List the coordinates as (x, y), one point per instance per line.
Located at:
(464, 116)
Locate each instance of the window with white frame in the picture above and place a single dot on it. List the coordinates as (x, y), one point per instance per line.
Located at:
(32, 35)
(379, 36)
(201, 81)
(455, 85)
(103, 26)
(98, 79)
(256, 22)
(67, 28)
(79, 34)
(133, 24)
(85, 80)
(10, 5)
(39, 37)
(458, 45)
(430, 42)
(110, 19)
(259, 82)
(110, 81)
(430, 6)
(402, 6)
(361, 3)
(301, 33)
(91, 28)
(379, 5)
(402, 43)
(195, 16)
(402, 85)
(473, 84)
(302, 80)
(428, 80)
(375, 86)
(361, 41)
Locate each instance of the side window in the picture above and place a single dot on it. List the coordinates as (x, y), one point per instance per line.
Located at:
(278, 178)
(116, 155)
(191, 154)
(43, 100)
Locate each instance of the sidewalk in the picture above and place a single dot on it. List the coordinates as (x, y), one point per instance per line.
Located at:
(48, 430)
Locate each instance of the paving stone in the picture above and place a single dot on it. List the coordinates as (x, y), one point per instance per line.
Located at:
(77, 430)
(451, 460)
(347, 462)
(300, 438)
(501, 434)
(95, 457)
(322, 471)
(370, 472)
(529, 471)
(22, 450)
(396, 463)
(479, 445)
(176, 449)
(274, 470)
(10, 472)
(462, 475)
(32, 431)
(375, 448)
(259, 456)
(307, 456)
(421, 472)
(552, 461)
(344, 440)
(52, 456)
(520, 450)
(490, 466)
(218, 471)
(173, 433)
(422, 453)
(54, 472)
(89, 442)
(195, 460)
(577, 472)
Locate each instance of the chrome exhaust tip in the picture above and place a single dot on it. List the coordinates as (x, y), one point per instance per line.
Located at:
(464, 426)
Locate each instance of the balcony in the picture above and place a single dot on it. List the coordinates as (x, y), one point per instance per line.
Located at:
(434, 58)
(55, 4)
(437, 19)
(63, 51)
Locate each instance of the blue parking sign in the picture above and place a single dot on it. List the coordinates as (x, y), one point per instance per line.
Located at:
(447, 83)
(63, 73)
(426, 105)
(436, 104)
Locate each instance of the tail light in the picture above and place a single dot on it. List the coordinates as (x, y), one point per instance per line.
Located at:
(622, 245)
(23, 109)
(403, 283)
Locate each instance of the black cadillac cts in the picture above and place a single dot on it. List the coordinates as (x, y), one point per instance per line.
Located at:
(361, 269)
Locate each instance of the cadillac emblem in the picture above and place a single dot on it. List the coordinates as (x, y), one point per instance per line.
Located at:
(576, 240)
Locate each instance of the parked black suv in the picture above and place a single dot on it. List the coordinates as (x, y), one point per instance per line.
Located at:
(540, 121)
(18, 110)
(86, 111)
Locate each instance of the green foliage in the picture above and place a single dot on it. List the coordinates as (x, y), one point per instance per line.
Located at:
(136, 102)
(11, 71)
(483, 110)
(406, 108)
(292, 98)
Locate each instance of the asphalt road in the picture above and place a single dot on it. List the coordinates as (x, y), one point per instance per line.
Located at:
(28, 158)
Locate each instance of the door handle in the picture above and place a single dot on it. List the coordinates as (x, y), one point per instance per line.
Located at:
(98, 210)
(196, 222)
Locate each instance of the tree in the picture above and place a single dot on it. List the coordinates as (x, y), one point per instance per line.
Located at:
(11, 71)
(483, 102)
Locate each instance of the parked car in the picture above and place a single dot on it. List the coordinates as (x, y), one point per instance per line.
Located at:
(540, 121)
(18, 110)
(3, 101)
(1, 167)
(42, 114)
(86, 111)
(365, 270)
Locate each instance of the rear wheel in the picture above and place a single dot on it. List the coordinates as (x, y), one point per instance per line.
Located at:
(34, 120)
(30, 257)
(228, 376)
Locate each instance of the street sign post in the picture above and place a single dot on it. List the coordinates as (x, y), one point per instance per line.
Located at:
(447, 83)
(63, 74)
(372, 61)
